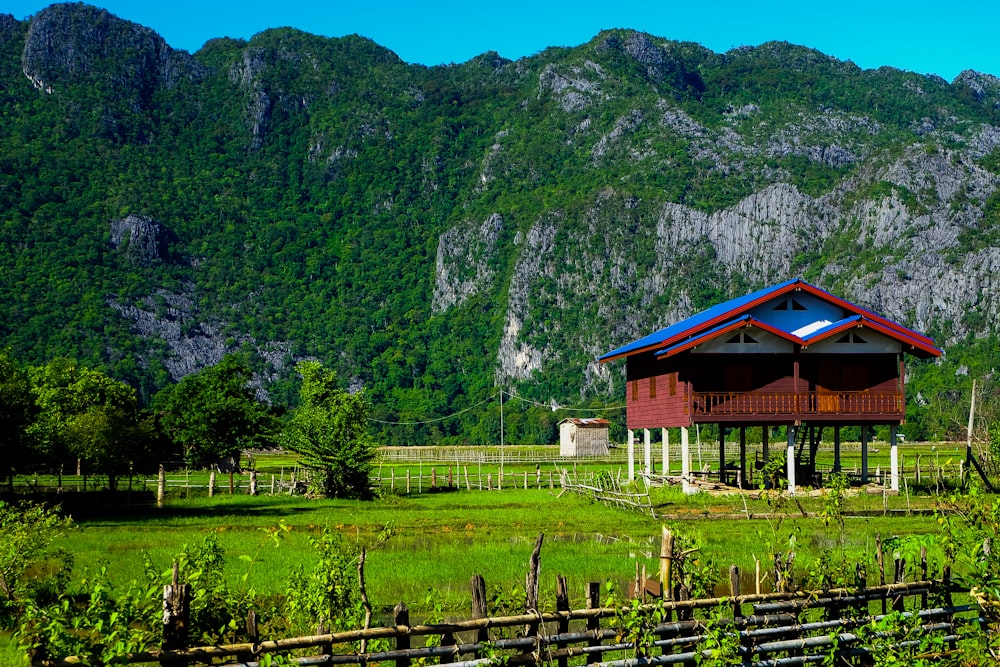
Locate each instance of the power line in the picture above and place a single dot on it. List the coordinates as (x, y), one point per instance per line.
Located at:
(437, 419)
(490, 398)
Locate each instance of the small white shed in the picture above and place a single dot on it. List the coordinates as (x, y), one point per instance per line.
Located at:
(583, 437)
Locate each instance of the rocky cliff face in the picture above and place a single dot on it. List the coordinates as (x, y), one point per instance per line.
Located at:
(69, 45)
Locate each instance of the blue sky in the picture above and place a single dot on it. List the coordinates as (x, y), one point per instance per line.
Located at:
(920, 36)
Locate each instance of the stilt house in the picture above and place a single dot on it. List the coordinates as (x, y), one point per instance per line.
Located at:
(791, 355)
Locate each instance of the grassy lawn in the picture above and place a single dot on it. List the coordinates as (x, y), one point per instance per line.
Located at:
(440, 540)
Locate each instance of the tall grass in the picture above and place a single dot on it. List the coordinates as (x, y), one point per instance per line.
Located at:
(440, 540)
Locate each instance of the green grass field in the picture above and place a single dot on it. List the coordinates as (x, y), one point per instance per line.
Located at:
(441, 539)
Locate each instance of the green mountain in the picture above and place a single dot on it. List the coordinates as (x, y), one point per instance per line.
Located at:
(436, 233)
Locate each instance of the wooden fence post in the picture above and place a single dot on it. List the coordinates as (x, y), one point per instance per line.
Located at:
(176, 614)
(734, 591)
(562, 604)
(880, 559)
(253, 482)
(401, 619)
(899, 575)
(861, 583)
(211, 484)
(594, 622)
(531, 590)
(923, 575)
(479, 610)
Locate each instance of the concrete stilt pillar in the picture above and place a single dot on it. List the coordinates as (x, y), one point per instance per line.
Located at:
(893, 459)
(647, 452)
(686, 461)
(631, 455)
(790, 460)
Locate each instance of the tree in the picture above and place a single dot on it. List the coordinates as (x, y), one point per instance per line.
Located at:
(214, 414)
(87, 415)
(17, 409)
(26, 534)
(330, 430)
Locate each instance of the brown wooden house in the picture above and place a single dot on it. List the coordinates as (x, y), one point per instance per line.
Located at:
(791, 355)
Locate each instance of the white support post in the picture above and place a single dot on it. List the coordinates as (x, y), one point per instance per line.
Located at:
(686, 462)
(647, 453)
(666, 451)
(893, 459)
(790, 460)
(631, 455)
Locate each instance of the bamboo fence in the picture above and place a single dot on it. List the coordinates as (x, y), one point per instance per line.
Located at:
(786, 627)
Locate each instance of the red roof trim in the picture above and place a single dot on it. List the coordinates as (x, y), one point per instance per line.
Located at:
(879, 327)
(867, 314)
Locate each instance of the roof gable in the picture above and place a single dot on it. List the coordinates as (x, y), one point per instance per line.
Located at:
(794, 310)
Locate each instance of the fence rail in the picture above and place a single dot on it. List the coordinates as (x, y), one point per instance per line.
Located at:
(766, 627)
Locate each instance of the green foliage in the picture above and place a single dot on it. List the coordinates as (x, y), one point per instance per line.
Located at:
(85, 414)
(720, 645)
(17, 410)
(635, 622)
(898, 639)
(328, 594)
(214, 414)
(29, 567)
(329, 430)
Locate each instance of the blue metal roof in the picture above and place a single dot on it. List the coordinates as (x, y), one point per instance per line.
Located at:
(716, 317)
(696, 320)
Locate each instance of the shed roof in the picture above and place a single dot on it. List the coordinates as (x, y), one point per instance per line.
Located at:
(585, 421)
(731, 314)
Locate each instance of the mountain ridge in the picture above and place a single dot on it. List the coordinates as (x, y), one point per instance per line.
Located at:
(436, 232)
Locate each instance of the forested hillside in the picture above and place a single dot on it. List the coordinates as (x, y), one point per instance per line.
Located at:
(436, 233)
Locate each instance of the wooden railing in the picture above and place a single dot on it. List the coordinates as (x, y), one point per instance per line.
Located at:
(798, 403)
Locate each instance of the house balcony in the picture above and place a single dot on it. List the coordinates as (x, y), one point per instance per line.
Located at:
(773, 406)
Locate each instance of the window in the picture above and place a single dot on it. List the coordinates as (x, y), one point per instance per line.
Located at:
(742, 338)
(652, 387)
(673, 384)
(852, 337)
(635, 390)
(789, 304)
